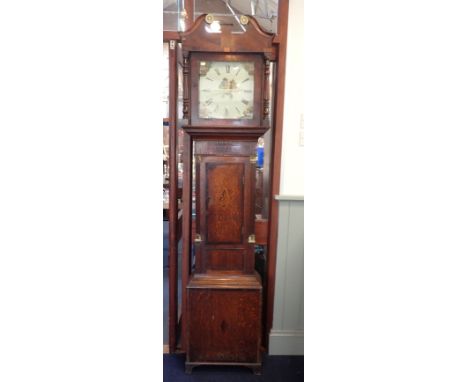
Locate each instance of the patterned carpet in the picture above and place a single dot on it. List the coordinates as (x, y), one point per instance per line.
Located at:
(165, 282)
(274, 369)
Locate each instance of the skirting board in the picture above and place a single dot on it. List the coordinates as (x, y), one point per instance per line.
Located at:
(286, 342)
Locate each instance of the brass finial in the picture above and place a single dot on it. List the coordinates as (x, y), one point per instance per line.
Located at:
(209, 18)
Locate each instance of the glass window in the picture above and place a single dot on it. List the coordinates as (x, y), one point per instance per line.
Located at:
(264, 11)
(172, 10)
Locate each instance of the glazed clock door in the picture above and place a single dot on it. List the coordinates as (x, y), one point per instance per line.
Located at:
(227, 89)
(226, 213)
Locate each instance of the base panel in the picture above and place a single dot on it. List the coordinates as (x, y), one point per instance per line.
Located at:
(255, 367)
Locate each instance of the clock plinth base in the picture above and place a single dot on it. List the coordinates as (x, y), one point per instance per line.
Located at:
(224, 327)
(255, 367)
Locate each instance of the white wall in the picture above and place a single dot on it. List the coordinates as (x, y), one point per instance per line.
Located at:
(292, 157)
(287, 333)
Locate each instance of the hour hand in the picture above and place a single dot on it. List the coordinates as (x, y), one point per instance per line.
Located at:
(224, 84)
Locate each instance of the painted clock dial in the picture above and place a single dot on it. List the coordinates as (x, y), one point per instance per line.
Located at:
(226, 90)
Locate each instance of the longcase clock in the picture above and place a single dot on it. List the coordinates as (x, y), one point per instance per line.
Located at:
(226, 106)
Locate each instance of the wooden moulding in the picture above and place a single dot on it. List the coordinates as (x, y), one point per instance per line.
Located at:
(171, 35)
(173, 207)
(186, 232)
(281, 41)
(253, 40)
(261, 231)
(220, 280)
(256, 367)
(231, 147)
(214, 132)
(266, 90)
(257, 118)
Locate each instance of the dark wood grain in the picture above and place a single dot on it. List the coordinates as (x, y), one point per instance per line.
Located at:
(283, 7)
(224, 219)
(173, 208)
(224, 324)
(190, 10)
(224, 147)
(226, 260)
(261, 231)
(223, 304)
(254, 39)
(231, 332)
(171, 35)
(186, 232)
(225, 188)
(267, 168)
(218, 132)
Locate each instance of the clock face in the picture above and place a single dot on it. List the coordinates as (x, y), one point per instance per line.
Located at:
(226, 90)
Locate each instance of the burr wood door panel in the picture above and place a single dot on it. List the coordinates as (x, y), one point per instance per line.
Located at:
(225, 209)
(224, 325)
(224, 203)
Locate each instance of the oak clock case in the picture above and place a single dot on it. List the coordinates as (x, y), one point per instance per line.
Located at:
(224, 293)
(224, 105)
